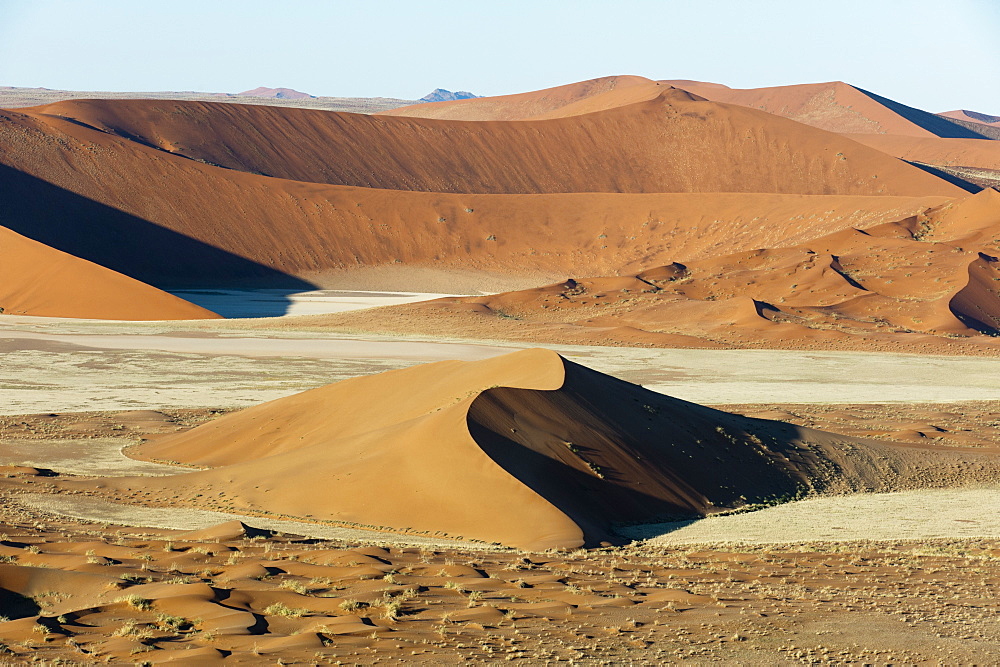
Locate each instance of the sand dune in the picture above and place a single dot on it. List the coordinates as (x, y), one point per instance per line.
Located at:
(981, 153)
(933, 275)
(570, 100)
(526, 449)
(834, 106)
(673, 143)
(893, 128)
(971, 116)
(38, 280)
(79, 190)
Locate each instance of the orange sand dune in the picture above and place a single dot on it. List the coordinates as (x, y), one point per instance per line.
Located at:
(981, 153)
(834, 106)
(38, 280)
(933, 275)
(108, 199)
(673, 143)
(570, 100)
(527, 450)
(972, 117)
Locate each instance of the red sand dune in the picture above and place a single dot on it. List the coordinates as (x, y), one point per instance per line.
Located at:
(108, 199)
(570, 100)
(981, 153)
(673, 143)
(913, 135)
(38, 280)
(972, 117)
(526, 449)
(834, 106)
(934, 274)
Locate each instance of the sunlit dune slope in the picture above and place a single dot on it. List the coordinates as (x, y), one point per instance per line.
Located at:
(526, 449)
(935, 275)
(834, 106)
(972, 117)
(38, 280)
(109, 199)
(673, 143)
(981, 153)
(570, 100)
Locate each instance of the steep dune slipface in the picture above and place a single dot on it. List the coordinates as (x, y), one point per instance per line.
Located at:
(38, 280)
(108, 199)
(675, 142)
(978, 303)
(527, 450)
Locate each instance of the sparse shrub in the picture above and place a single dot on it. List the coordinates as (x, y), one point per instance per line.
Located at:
(136, 602)
(281, 609)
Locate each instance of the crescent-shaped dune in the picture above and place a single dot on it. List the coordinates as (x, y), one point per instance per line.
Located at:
(978, 303)
(527, 449)
(38, 280)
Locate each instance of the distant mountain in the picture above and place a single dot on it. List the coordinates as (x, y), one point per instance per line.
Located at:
(19, 98)
(442, 95)
(277, 93)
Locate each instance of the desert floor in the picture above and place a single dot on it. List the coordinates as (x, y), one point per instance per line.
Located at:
(917, 570)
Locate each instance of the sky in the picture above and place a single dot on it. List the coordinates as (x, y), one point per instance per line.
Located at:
(937, 55)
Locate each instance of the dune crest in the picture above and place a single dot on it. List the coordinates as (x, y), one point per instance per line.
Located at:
(559, 102)
(834, 106)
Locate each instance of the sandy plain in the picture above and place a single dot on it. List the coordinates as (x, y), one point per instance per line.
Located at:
(744, 588)
(52, 365)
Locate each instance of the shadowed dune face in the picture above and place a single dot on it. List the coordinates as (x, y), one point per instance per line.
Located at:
(526, 450)
(672, 143)
(38, 280)
(120, 240)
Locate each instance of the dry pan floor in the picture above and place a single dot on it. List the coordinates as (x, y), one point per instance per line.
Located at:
(68, 366)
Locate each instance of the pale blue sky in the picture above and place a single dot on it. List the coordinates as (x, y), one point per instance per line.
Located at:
(933, 54)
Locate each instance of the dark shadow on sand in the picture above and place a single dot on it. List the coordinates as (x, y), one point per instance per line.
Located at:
(128, 244)
(937, 125)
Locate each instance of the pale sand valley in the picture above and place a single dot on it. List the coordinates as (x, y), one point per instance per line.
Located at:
(622, 371)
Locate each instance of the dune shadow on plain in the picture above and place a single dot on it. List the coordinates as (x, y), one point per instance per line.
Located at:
(946, 176)
(128, 244)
